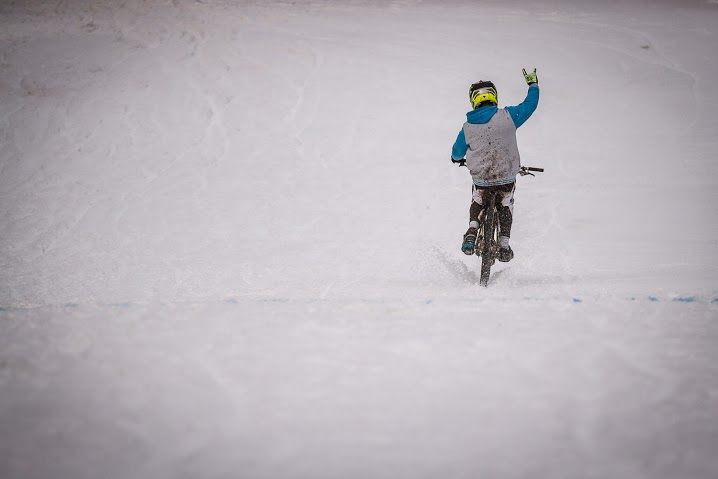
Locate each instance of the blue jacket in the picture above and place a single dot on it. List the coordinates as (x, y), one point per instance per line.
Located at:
(519, 113)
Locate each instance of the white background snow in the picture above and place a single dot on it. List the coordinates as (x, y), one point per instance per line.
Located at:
(229, 241)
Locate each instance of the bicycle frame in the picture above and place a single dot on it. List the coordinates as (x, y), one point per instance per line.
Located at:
(490, 230)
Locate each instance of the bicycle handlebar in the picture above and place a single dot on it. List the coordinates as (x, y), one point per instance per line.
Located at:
(526, 169)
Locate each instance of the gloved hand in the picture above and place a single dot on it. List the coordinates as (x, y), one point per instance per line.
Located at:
(461, 162)
(531, 78)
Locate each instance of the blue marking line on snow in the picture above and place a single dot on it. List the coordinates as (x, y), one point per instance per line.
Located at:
(576, 300)
(232, 301)
(678, 299)
(71, 305)
(693, 299)
(429, 301)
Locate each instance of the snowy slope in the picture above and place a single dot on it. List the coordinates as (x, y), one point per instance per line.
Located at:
(229, 241)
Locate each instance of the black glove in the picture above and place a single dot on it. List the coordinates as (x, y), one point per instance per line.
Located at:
(461, 162)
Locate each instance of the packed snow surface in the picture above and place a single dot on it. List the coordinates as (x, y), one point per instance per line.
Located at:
(230, 230)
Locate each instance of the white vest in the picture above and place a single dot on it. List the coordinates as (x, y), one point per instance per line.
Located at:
(493, 154)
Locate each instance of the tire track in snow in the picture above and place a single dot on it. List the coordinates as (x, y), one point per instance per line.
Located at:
(307, 94)
(645, 40)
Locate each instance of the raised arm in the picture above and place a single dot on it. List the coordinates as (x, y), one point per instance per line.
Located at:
(520, 113)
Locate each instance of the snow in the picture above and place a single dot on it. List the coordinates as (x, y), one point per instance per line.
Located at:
(229, 241)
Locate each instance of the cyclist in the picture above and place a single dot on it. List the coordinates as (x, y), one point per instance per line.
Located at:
(487, 146)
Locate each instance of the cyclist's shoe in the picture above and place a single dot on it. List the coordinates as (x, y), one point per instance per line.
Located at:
(505, 254)
(469, 244)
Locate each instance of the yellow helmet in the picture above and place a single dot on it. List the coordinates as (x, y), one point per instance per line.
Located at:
(483, 93)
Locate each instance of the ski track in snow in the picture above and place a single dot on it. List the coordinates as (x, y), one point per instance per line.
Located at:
(229, 243)
(647, 42)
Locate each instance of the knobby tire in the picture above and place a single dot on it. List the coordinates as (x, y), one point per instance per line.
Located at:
(487, 253)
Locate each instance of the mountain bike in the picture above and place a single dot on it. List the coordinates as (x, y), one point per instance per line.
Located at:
(487, 245)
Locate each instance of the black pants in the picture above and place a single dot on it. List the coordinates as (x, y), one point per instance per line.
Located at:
(505, 206)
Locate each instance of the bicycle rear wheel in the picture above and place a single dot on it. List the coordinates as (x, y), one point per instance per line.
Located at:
(489, 244)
